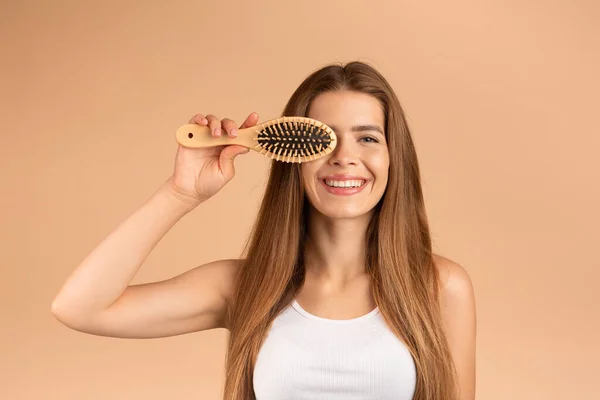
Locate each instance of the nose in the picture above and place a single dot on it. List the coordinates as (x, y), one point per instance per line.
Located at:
(343, 155)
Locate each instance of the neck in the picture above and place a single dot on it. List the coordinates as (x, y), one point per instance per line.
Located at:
(336, 249)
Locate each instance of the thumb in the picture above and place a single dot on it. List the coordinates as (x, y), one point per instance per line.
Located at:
(226, 158)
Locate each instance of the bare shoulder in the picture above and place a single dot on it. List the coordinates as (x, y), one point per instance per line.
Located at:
(453, 276)
(457, 293)
(457, 301)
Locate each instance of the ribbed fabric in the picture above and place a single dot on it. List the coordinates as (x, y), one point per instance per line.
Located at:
(305, 357)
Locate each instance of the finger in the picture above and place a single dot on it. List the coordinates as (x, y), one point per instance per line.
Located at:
(227, 157)
(198, 119)
(215, 125)
(250, 121)
(229, 126)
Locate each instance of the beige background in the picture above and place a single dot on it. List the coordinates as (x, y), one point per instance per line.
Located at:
(502, 97)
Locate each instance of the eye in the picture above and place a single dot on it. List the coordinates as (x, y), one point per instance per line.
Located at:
(370, 138)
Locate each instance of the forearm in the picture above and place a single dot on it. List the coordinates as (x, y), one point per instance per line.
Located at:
(101, 278)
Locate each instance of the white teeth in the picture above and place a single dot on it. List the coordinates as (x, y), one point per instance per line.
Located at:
(344, 184)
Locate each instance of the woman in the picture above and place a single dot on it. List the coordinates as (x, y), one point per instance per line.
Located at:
(339, 295)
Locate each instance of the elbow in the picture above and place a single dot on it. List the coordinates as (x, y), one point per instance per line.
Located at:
(58, 311)
(65, 315)
(54, 307)
(76, 319)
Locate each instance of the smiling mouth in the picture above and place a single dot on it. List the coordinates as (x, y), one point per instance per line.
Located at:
(346, 184)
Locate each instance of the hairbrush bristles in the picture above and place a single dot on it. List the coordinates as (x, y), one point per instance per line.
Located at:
(295, 139)
(287, 139)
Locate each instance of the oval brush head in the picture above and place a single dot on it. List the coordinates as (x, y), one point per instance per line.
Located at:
(287, 139)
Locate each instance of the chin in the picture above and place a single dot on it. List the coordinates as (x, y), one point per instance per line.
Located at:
(344, 212)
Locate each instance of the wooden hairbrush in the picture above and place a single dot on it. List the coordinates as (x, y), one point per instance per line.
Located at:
(288, 139)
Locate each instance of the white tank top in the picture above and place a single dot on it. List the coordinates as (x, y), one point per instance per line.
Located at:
(305, 357)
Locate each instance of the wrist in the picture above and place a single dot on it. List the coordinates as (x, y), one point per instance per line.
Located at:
(181, 201)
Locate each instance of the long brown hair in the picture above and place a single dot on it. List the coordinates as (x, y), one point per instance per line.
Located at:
(399, 259)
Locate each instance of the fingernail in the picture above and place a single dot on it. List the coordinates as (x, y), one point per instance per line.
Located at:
(234, 132)
(217, 131)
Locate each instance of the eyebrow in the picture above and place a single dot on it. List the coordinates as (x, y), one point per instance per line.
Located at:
(363, 128)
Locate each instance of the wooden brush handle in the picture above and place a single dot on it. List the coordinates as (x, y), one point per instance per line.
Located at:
(194, 135)
(287, 139)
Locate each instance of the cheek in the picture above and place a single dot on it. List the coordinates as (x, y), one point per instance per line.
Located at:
(385, 167)
(310, 169)
(379, 165)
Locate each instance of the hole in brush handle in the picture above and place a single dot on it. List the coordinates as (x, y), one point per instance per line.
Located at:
(196, 136)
